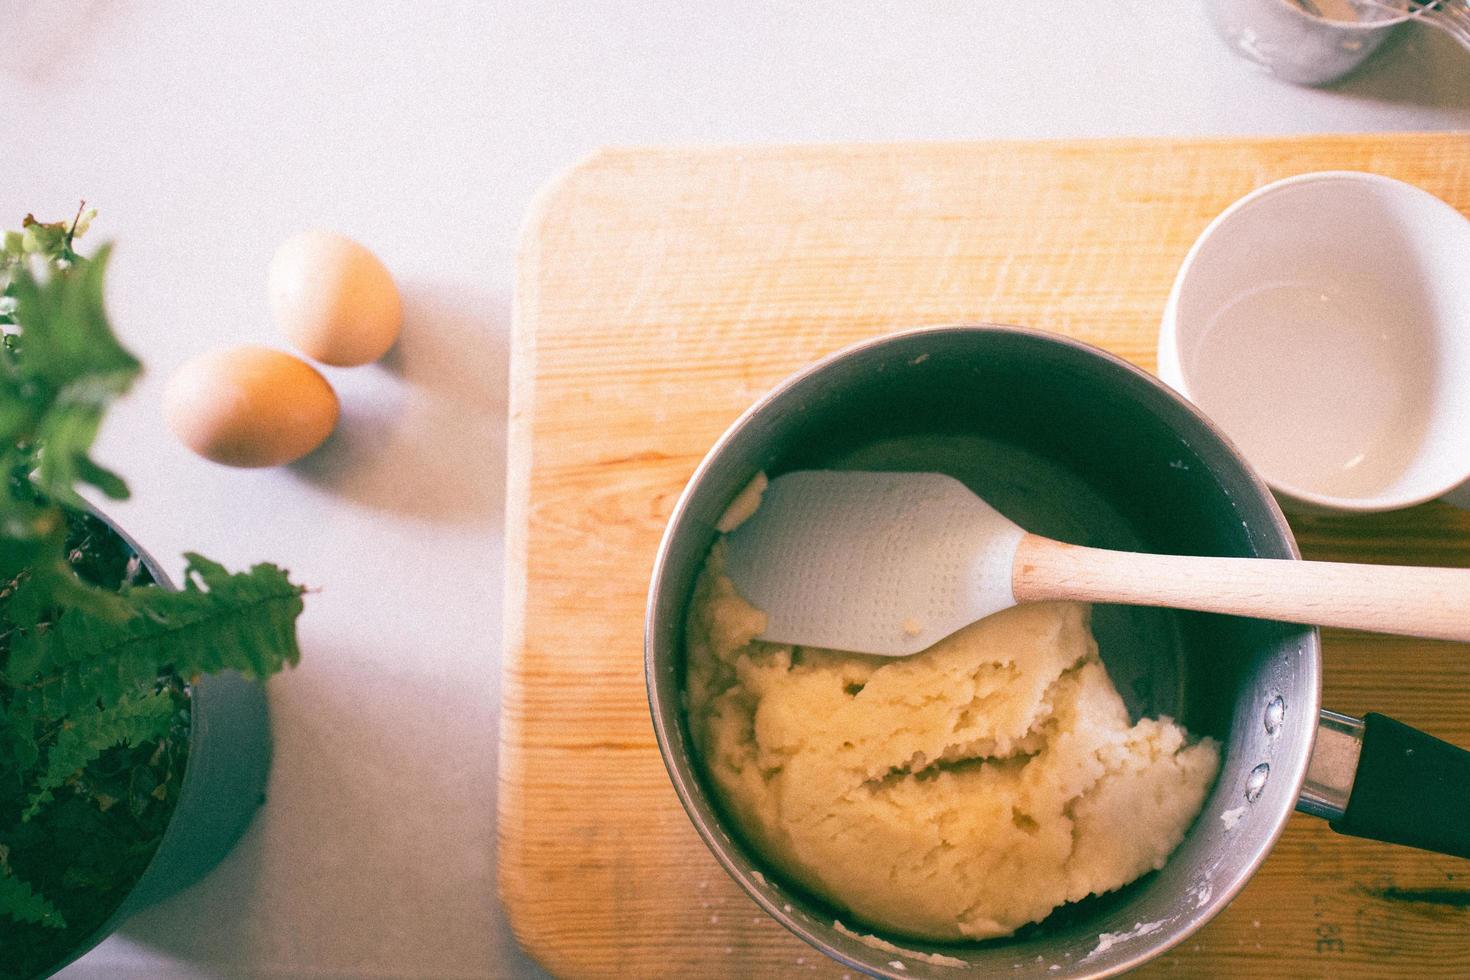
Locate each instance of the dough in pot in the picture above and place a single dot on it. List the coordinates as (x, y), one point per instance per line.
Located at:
(959, 793)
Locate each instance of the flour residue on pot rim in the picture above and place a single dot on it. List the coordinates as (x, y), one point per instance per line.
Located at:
(937, 959)
(1107, 940)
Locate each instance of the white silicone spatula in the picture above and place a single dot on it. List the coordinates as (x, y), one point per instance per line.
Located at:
(890, 563)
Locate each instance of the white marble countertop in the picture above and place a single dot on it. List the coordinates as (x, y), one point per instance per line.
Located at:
(206, 134)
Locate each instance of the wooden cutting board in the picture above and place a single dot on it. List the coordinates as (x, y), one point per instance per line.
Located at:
(661, 292)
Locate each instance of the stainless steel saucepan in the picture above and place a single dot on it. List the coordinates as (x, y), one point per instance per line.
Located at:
(1077, 445)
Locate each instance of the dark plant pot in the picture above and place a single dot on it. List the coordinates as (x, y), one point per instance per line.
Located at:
(224, 782)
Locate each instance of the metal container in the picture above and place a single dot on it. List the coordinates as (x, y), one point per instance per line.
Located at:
(1290, 41)
(1075, 444)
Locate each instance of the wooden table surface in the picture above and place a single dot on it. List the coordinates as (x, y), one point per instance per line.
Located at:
(662, 291)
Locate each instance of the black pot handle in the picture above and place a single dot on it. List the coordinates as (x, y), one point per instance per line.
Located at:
(1406, 787)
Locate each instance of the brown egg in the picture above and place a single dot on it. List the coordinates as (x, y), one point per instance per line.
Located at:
(250, 406)
(333, 300)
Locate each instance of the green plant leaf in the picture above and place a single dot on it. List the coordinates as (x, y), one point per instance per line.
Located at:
(68, 368)
(130, 720)
(19, 902)
(219, 621)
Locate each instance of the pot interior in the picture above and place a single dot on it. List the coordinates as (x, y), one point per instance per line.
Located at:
(1076, 446)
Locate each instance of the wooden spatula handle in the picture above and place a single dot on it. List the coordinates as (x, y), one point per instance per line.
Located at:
(1429, 602)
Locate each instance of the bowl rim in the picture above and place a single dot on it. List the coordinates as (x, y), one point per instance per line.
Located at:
(1170, 352)
(713, 834)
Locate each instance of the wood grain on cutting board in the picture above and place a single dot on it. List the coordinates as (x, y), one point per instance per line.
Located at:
(662, 291)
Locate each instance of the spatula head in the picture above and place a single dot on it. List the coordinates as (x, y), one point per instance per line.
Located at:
(885, 563)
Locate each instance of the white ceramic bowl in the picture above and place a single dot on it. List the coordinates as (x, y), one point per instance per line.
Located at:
(1323, 321)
